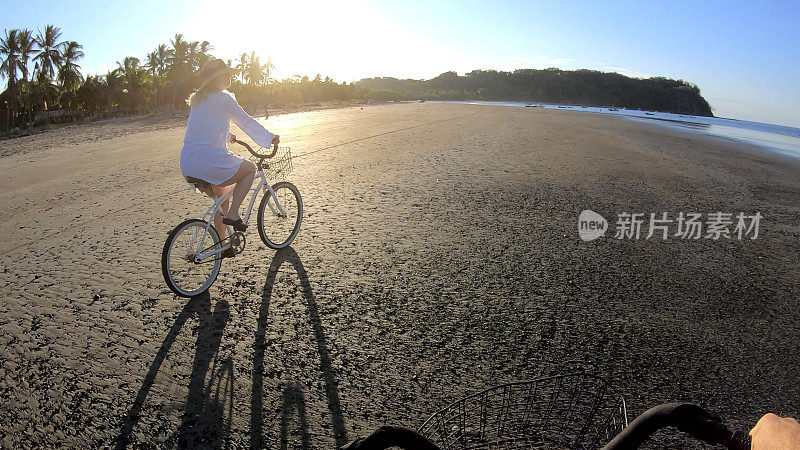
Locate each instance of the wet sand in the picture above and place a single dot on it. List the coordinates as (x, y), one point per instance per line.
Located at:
(439, 255)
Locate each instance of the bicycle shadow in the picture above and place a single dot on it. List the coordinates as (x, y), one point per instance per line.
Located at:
(294, 394)
(203, 421)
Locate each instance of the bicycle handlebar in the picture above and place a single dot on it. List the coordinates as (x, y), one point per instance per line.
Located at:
(253, 152)
(689, 418)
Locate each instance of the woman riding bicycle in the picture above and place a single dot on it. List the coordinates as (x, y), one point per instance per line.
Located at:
(205, 159)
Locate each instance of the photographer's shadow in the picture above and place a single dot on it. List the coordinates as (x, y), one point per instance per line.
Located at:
(203, 421)
(294, 394)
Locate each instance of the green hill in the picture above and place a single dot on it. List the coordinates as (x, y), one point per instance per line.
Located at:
(575, 87)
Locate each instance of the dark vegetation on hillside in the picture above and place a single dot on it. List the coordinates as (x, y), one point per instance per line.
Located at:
(576, 87)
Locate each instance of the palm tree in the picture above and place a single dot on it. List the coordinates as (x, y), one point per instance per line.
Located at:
(91, 96)
(242, 66)
(192, 55)
(164, 54)
(10, 54)
(114, 86)
(179, 49)
(203, 54)
(9, 64)
(268, 67)
(25, 41)
(133, 77)
(152, 64)
(40, 93)
(131, 72)
(69, 73)
(163, 58)
(152, 68)
(49, 57)
(180, 70)
(254, 73)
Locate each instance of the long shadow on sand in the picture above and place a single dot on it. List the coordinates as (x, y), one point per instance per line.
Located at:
(292, 395)
(203, 419)
(293, 399)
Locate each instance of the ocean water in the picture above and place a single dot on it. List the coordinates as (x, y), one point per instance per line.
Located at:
(775, 138)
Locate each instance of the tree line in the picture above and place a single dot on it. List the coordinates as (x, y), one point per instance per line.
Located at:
(44, 81)
(553, 85)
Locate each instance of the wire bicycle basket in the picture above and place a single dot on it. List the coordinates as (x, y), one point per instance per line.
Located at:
(575, 411)
(279, 166)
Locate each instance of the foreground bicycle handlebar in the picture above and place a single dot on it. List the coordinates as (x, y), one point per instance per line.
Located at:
(689, 418)
(253, 152)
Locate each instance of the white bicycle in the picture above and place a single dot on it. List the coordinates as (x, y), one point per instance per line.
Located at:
(193, 253)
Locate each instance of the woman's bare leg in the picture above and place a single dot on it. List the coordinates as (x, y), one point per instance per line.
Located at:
(216, 192)
(220, 227)
(244, 181)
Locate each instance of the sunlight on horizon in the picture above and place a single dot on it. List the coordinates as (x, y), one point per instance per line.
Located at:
(345, 42)
(348, 41)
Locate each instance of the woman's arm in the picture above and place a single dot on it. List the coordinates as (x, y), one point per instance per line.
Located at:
(257, 133)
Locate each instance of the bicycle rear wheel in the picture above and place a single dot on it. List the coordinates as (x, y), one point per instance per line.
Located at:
(277, 229)
(184, 276)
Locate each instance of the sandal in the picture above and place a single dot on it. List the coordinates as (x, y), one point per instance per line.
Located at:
(229, 252)
(237, 224)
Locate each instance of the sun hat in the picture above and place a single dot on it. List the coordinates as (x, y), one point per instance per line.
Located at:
(212, 70)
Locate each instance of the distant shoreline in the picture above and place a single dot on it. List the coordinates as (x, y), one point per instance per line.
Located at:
(103, 129)
(778, 139)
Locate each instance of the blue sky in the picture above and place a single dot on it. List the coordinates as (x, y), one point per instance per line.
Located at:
(744, 55)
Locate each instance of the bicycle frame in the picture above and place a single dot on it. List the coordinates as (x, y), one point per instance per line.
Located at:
(208, 216)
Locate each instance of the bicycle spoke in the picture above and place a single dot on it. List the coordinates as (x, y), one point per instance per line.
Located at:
(183, 273)
(218, 245)
(279, 215)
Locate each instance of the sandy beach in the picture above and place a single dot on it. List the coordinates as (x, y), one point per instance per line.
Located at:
(438, 255)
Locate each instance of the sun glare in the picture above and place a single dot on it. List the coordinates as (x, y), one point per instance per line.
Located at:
(330, 40)
(343, 40)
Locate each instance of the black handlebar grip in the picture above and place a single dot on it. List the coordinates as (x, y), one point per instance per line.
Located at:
(689, 418)
(739, 441)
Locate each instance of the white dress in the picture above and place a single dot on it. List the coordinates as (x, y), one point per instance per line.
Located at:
(205, 153)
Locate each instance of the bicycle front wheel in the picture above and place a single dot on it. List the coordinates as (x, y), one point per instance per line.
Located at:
(280, 215)
(184, 275)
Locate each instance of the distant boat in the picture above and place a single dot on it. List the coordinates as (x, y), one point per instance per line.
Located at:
(584, 106)
(564, 107)
(421, 101)
(531, 105)
(650, 114)
(613, 109)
